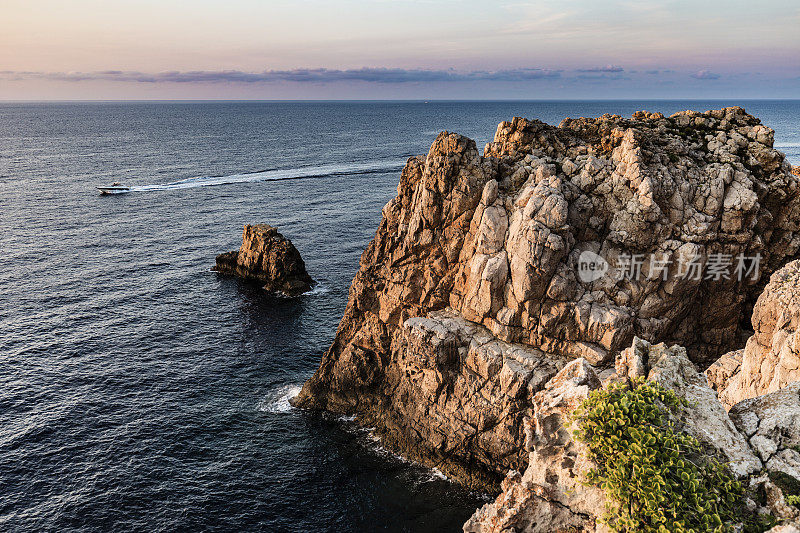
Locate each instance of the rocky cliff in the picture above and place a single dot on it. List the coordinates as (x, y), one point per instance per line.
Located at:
(489, 273)
(759, 442)
(269, 258)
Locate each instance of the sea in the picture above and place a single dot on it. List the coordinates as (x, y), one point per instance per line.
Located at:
(139, 391)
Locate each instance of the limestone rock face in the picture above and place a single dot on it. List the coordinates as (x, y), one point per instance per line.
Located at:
(267, 257)
(550, 496)
(554, 480)
(459, 389)
(501, 239)
(793, 527)
(771, 423)
(771, 358)
(705, 418)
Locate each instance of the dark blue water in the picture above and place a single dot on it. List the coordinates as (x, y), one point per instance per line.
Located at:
(141, 392)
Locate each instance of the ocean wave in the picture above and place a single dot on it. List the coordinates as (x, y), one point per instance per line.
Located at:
(373, 442)
(437, 475)
(319, 288)
(277, 400)
(420, 474)
(320, 171)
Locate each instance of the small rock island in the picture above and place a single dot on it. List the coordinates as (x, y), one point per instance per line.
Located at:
(267, 257)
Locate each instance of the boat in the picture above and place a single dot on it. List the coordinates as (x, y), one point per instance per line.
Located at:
(114, 188)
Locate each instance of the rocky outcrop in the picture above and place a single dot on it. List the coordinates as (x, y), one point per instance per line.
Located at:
(759, 440)
(771, 424)
(705, 418)
(489, 273)
(551, 495)
(269, 258)
(500, 241)
(457, 388)
(771, 359)
(479, 388)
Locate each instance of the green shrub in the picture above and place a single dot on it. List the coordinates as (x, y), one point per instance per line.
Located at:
(655, 478)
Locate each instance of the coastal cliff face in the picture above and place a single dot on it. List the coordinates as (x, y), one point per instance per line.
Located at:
(269, 258)
(472, 295)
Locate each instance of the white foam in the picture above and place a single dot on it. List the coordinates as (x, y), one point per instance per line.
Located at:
(319, 288)
(334, 169)
(437, 475)
(277, 400)
(372, 442)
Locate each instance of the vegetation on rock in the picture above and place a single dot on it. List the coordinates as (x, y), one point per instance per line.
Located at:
(655, 477)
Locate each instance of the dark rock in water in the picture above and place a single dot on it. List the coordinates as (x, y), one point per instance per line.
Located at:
(267, 257)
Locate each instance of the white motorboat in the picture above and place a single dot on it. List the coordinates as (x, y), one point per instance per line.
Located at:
(114, 188)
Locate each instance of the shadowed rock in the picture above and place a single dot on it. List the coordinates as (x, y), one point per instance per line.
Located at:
(269, 258)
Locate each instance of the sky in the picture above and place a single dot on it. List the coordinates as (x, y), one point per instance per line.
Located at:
(398, 49)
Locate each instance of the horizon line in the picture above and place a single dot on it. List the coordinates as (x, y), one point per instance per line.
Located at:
(379, 100)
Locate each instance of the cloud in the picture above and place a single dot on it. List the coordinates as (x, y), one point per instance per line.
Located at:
(607, 68)
(704, 75)
(319, 75)
(603, 76)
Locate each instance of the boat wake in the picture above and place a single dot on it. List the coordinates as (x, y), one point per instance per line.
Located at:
(321, 171)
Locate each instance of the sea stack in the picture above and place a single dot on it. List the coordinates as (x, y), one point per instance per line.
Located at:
(490, 273)
(269, 258)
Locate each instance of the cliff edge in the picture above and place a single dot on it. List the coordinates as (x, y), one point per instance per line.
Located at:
(770, 360)
(489, 273)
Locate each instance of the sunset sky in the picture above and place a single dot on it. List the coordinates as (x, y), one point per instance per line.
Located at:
(248, 49)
